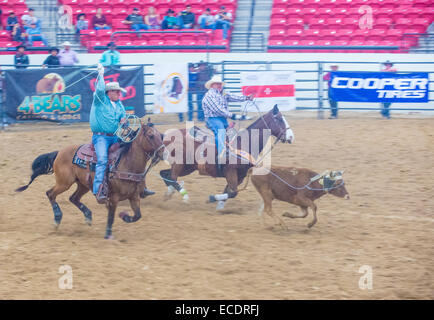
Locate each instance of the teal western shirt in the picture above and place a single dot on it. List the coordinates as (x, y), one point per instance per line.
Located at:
(110, 58)
(104, 117)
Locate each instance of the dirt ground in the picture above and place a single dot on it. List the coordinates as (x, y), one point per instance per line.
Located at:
(188, 251)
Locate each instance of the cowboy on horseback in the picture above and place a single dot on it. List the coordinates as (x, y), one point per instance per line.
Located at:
(106, 115)
(215, 108)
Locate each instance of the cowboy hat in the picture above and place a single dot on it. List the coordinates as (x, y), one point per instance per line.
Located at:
(66, 43)
(114, 86)
(388, 62)
(214, 79)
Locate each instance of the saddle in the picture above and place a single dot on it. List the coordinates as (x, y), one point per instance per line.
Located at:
(85, 156)
(207, 136)
(201, 135)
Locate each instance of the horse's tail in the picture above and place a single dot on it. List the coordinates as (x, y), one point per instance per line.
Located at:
(43, 164)
(249, 173)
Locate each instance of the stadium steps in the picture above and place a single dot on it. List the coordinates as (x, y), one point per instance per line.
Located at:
(46, 11)
(255, 25)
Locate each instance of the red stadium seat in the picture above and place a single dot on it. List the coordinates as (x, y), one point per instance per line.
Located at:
(350, 23)
(294, 12)
(277, 22)
(340, 12)
(294, 34)
(295, 23)
(335, 23)
(316, 23)
(325, 13)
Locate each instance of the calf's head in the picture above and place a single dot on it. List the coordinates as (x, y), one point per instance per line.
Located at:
(335, 185)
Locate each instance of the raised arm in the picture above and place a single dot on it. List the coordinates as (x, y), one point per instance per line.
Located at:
(100, 85)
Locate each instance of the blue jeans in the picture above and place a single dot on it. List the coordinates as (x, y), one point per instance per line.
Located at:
(385, 110)
(101, 145)
(103, 28)
(218, 125)
(204, 26)
(181, 24)
(222, 24)
(37, 37)
(139, 26)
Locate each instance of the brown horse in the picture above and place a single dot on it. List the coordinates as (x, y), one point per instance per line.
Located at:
(234, 171)
(148, 145)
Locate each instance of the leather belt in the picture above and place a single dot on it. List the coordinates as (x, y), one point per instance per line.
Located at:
(104, 134)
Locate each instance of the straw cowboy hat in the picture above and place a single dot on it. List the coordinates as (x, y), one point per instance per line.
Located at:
(114, 86)
(66, 43)
(214, 79)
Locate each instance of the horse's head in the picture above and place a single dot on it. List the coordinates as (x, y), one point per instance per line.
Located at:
(151, 140)
(278, 125)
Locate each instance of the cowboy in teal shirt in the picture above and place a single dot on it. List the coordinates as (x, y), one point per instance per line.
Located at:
(105, 116)
(111, 57)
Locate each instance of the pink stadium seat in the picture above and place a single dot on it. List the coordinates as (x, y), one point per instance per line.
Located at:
(315, 23)
(383, 23)
(277, 22)
(276, 42)
(422, 3)
(340, 12)
(311, 34)
(325, 13)
(294, 34)
(414, 13)
(308, 11)
(295, 23)
(278, 33)
(335, 23)
(350, 23)
(293, 12)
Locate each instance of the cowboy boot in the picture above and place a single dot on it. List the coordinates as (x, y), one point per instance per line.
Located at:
(101, 197)
(146, 192)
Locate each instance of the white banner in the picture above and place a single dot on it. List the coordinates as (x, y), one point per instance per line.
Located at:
(270, 88)
(171, 88)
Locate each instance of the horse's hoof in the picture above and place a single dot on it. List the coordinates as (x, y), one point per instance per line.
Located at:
(185, 198)
(89, 222)
(123, 214)
(56, 225)
(110, 237)
(167, 196)
(220, 205)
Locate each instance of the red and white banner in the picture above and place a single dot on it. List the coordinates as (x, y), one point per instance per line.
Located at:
(270, 88)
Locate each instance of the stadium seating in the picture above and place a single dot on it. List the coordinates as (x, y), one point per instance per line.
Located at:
(117, 10)
(333, 22)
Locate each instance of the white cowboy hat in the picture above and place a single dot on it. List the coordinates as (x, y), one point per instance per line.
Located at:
(114, 86)
(66, 43)
(214, 79)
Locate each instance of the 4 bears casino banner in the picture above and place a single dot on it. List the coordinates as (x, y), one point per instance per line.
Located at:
(66, 94)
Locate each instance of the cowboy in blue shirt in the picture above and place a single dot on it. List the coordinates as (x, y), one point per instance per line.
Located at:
(105, 116)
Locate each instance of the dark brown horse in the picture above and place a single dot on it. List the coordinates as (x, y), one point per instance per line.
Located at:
(148, 145)
(251, 141)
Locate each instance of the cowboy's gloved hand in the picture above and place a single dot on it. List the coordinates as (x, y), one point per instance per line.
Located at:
(231, 125)
(250, 97)
(100, 69)
(124, 123)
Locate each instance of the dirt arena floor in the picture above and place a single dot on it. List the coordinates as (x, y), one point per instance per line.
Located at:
(188, 251)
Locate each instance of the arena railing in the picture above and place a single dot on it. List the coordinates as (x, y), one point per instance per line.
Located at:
(310, 88)
(418, 42)
(311, 92)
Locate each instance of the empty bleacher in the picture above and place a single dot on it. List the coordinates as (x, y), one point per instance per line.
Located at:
(347, 23)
